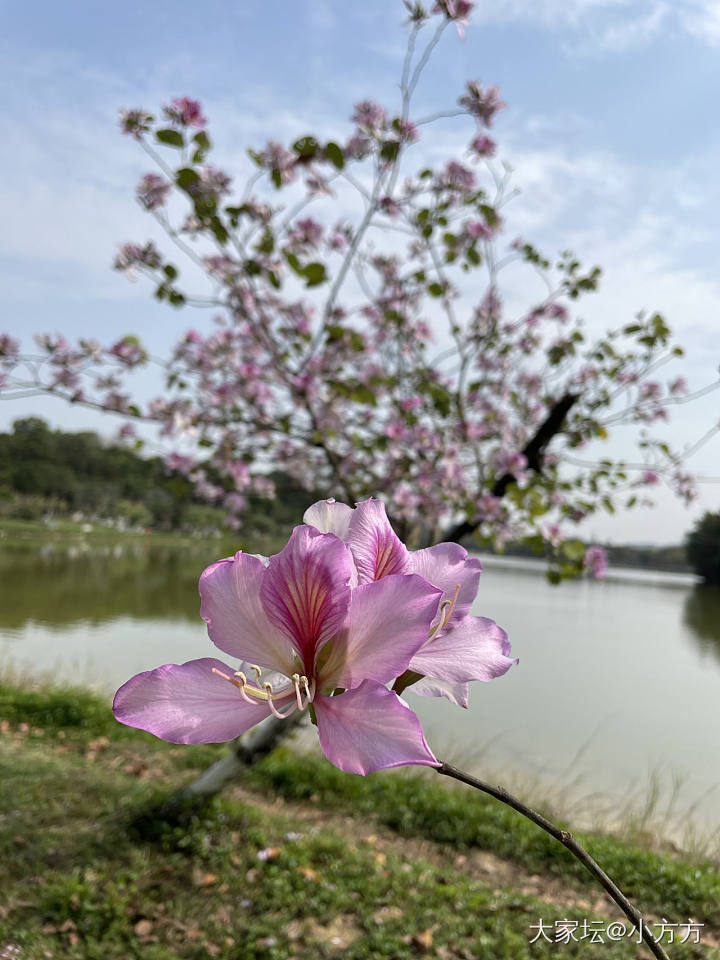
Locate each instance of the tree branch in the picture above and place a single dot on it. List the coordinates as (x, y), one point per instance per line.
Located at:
(570, 843)
(534, 453)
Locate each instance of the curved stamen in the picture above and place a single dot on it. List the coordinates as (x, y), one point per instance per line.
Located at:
(296, 681)
(258, 671)
(273, 709)
(252, 695)
(450, 607)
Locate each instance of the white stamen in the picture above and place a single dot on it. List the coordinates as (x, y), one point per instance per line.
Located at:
(298, 696)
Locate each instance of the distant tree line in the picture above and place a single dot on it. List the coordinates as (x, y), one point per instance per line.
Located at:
(672, 559)
(46, 472)
(703, 548)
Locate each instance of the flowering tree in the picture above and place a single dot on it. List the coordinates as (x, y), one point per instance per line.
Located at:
(361, 339)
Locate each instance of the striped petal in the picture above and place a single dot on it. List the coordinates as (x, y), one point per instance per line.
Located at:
(388, 622)
(236, 620)
(474, 649)
(305, 591)
(377, 550)
(188, 703)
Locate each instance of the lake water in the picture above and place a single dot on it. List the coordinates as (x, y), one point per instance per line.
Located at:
(618, 682)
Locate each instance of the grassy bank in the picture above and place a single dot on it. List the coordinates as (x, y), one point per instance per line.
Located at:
(65, 534)
(299, 860)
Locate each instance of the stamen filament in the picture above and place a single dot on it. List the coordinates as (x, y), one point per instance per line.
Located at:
(298, 696)
(450, 606)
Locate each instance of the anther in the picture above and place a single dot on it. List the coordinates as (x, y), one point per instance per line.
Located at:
(257, 670)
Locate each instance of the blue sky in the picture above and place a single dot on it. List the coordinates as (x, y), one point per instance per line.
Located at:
(611, 130)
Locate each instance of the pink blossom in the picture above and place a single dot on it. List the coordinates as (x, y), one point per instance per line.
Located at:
(456, 10)
(460, 647)
(455, 176)
(135, 122)
(129, 352)
(307, 232)
(277, 159)
(152, 191)
(556, 311)
(369, 117)
(596, 561)
(478, 230)
(482, 103)
(678, 385)
(235, 502)
(301, 632)
(187, 112)
(650, 478)
(482, 146)
(9, 348)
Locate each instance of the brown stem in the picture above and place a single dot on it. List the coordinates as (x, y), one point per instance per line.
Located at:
(569, 842)
(534, 453)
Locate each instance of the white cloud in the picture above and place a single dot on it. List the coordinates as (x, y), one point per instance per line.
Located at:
(611, 26)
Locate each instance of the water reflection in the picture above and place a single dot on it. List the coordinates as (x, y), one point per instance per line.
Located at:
(702, 614)
(61, 587)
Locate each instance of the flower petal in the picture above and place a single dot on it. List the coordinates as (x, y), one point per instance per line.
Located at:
(376, 548)
(327, 516)
(305, 590)
(388, 621)
(474, 649)
(370, 728)
(456, 693)
(187, 703)
(236, 620)
(447, 565)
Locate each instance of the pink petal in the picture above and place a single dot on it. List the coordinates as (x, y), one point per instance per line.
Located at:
(447, 565)
(388, 621)
(305, 590)
(475, 649)
(370, 728)
(376, 548)
(456, 693)
(187, 703)
(327, 516)
(236, 620)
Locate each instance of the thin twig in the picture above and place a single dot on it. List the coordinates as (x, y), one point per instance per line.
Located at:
(569, 842)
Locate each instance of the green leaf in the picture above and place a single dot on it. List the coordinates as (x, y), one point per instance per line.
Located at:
(173, 138)
(170, 271)
(306, 147)
(293, 262)
(187, 178)
(335, 155)
(202, 140)
(314, 274)
(435, 289)
(390, 150)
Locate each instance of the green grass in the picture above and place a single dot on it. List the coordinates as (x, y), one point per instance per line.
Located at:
(93, 869)
(416, 806)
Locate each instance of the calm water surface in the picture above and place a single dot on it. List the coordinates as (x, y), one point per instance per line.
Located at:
(617, 679)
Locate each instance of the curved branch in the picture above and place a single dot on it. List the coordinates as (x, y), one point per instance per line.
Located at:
(569, 842)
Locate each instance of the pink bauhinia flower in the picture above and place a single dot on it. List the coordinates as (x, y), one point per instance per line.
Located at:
(309, 628)
(459, 647)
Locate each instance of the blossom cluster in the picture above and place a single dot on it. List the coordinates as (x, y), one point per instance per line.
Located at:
(341, 621)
